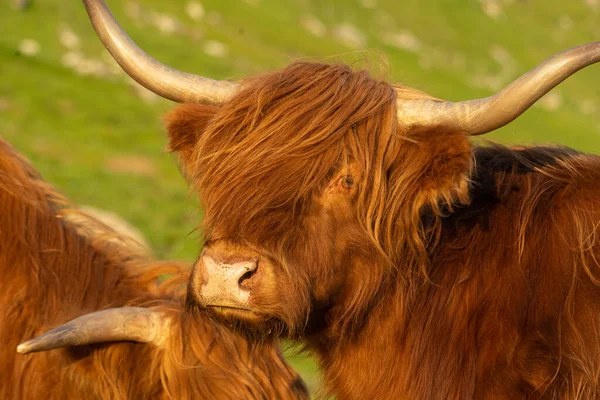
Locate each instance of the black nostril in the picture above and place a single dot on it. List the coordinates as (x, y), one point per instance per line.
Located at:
(247, 280)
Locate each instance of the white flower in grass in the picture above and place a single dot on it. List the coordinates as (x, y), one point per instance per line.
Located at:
(494, 8)
(29, 47)
(215, 49)
(165, 23)
(313, 25)
(195, 10)
(403, 40)
(370, 4)
(72, 59)
(68, 38)
(350, 36)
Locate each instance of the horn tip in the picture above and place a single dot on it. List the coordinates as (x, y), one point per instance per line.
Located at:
(24, 348)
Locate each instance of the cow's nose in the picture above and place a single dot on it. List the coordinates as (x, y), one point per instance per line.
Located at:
(228, 281)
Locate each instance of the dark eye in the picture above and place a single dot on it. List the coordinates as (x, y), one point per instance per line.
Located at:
(347, 181)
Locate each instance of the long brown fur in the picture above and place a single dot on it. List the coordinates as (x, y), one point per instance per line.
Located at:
(53, 270)
(445, 272)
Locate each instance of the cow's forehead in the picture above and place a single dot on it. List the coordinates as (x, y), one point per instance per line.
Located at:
(272, 148)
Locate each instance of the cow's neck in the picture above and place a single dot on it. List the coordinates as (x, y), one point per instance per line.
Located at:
(368, 363)
(396, 353)
(461, 326)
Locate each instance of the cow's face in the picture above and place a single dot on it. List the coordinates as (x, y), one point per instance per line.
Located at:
(311, 196)
(289, 275)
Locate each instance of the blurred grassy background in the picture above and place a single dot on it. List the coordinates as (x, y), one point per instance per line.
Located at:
(99, 138)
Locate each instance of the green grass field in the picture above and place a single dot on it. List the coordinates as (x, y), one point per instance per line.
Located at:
(98, 138)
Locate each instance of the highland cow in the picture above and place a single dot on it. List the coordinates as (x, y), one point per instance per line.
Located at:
(57, 264)
(358, 217)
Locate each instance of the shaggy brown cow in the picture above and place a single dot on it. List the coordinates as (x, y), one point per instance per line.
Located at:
(53, 269)
(358, 216)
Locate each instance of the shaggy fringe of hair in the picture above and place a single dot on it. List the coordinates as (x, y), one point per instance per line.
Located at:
(320, 116)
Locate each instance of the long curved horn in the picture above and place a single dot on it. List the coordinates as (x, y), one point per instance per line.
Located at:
(475, 117)
(150, 73)
(133, 324)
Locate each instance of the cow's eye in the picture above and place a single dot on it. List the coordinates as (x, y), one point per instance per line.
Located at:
(347, 181)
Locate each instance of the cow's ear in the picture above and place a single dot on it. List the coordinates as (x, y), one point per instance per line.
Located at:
(427, 177)
(440, 161)
(185, 125)
(434, 162)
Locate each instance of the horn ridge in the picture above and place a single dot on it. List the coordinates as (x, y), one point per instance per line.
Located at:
(134, 324)
(166, 82)
(479, 116)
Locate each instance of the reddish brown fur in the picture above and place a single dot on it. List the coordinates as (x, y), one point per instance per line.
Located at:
(445, 272)
(50, 274)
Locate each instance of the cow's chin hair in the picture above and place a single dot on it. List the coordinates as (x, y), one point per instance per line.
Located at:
(253, 325)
